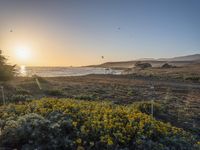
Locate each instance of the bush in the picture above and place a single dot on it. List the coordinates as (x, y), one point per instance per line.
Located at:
(19, 98)
(73, 124)
(145, 107)
(142, 65)
(6, 71)
(86, 96)
(166, 65)
(56, 93)
(193, 78)
(22, 91)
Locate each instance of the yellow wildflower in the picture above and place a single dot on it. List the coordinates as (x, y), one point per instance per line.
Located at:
(110, 142)
(78, 141)
(74, 124)
(80, 148)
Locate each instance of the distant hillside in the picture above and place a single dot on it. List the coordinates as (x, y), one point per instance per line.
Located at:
(177, 61)
(194, 57)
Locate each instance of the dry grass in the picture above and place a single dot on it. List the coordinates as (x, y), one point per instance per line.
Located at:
(180, 98)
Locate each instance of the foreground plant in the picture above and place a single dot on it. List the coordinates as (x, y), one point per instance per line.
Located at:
(73, 124)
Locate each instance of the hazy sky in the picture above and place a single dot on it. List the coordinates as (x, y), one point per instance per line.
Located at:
(79, 32)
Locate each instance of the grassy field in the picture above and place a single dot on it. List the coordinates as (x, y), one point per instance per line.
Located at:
(175, 91)
(190, 73)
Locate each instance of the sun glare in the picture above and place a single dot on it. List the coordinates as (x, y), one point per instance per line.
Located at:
(23, 54)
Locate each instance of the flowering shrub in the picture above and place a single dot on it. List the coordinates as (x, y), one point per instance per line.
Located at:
(73, 124)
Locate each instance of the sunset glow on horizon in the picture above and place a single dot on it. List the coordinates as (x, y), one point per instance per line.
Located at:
(77, 33)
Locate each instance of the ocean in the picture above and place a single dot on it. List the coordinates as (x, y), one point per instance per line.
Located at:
(64, 71)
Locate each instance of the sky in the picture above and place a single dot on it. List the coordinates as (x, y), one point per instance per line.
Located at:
(80, 32)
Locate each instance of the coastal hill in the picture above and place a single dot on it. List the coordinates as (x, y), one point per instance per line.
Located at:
(177, 61)
(195, 57)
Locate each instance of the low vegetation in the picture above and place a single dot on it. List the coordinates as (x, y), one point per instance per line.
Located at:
(192, 78)
(166, 65)
(54, 92)
(142, 65)
(178, 105)
(76, 124)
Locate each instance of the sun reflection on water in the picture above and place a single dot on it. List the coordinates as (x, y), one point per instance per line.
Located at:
(23, 71)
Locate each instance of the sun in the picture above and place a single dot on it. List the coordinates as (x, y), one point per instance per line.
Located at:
(23, 54)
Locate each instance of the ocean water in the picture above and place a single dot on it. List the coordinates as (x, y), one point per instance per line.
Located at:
(64, 71)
